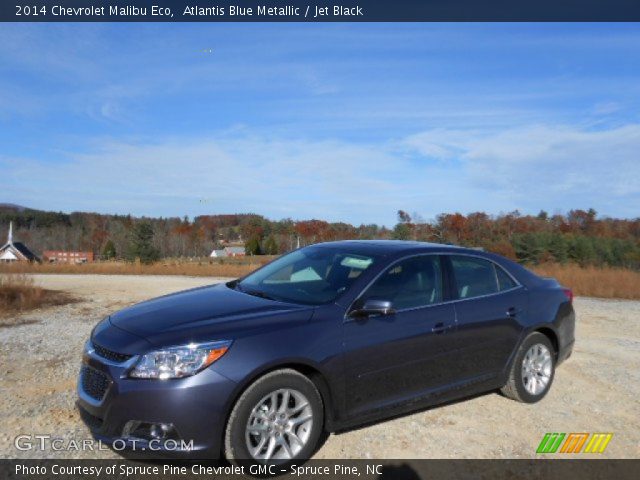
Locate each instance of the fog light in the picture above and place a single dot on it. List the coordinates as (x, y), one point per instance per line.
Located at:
(160, 431)
(150, 431)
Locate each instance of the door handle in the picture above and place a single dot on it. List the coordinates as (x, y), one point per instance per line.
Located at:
(439, 328)
(513, 312)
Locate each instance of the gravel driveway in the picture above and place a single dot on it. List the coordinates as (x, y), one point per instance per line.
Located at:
(596, 390)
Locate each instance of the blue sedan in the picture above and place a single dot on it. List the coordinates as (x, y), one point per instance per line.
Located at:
(322, 339)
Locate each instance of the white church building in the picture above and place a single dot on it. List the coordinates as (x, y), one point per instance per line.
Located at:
(16, 251)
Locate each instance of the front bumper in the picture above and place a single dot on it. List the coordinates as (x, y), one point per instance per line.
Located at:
(196, 406)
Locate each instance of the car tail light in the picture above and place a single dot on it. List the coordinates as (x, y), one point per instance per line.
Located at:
(568, 293)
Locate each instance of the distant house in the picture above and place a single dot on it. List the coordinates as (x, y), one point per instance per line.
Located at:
(235, 251)
(60, 256)
(16, 251)
(228, 252)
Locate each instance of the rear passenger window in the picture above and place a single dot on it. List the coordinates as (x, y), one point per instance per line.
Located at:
(474, 276)
(505, 282)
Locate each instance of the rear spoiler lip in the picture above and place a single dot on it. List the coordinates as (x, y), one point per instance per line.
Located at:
(552, 280)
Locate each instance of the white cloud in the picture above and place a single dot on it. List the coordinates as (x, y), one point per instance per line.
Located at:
(237, 173)
(529, 168)
(606, 108)
(546, 166)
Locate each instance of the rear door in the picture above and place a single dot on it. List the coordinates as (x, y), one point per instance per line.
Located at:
(392, 358)
(489, 308)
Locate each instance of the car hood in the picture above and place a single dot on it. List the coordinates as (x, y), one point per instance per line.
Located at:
(203, 314)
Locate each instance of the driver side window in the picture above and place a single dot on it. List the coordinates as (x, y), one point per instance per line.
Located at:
(410, 283)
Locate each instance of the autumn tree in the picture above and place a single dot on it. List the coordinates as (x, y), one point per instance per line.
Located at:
(404, 229)
(579, 236)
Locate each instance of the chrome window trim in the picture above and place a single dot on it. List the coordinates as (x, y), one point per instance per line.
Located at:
(515, 280)
(495, 275)
(347, 318)
(495, 265)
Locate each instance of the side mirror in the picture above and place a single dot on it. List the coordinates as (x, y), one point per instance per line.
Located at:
(373, 307)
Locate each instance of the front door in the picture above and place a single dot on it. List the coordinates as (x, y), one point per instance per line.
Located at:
(393, 358)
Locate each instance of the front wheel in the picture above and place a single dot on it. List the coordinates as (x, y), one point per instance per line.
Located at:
(278, 419)
(532, 371)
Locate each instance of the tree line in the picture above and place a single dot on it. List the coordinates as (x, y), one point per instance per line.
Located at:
(579, 236)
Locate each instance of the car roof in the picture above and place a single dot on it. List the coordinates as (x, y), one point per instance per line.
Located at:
(392, 246)
(399, 248)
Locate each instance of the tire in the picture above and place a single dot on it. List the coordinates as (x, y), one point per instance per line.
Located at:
(256, 420)
(521, 385)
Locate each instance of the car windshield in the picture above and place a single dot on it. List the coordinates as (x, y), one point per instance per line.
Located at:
(312, 275)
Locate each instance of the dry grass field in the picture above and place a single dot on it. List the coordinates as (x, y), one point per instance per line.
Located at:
(205, 267)
(595, 282)
(19, 293)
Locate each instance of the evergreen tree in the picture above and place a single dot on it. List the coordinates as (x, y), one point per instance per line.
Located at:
(603, 249)
(529, 247)
(558, 248)
(270, 246)
(402, 231)
(141, 243)
(109, 250)
(581, 250)
(252, 247)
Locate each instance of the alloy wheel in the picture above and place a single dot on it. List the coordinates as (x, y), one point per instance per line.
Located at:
(279, 426)
(537, 367)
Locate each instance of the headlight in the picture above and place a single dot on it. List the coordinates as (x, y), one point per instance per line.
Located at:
(178, 362)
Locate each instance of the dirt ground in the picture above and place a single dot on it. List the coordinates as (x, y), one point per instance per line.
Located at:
(596, 390)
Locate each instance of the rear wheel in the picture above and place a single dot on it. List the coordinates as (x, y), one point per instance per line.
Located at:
(532, 371)
(278, 419)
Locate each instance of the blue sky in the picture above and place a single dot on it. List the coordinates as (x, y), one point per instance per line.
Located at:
(341, 122)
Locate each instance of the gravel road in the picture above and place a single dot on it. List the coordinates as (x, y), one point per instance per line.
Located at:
(596, 390)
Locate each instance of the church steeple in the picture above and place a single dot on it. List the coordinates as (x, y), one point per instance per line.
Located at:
(12, 252)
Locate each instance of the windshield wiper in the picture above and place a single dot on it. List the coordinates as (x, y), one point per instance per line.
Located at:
(255, 293)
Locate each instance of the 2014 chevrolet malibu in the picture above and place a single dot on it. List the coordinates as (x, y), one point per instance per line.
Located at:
(322, 339)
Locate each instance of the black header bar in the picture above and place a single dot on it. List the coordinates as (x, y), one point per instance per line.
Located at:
(569, 468)
(320, 11)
